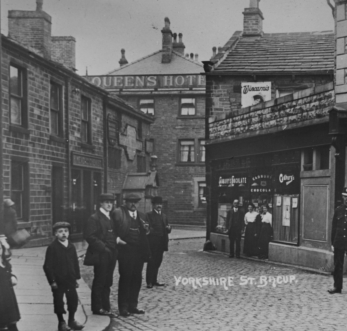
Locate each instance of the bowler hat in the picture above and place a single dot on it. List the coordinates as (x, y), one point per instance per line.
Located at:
(60, 225)
(106, 197)
(344, 192)
(8, 202)
(157, 200)
(132, 197)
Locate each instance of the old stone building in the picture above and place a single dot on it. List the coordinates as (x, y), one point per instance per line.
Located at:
(278, 152)
(57, 155)
(168, 86)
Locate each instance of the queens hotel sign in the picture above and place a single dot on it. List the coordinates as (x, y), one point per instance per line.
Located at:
(149, 82)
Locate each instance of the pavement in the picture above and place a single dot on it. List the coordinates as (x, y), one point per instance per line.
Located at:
(34, 293)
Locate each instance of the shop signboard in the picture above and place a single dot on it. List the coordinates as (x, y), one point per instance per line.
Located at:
(254, 93)
(288, 181)
(261, 183)
(232, 181)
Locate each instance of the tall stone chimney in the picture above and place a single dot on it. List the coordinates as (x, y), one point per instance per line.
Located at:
(253, 20)
(32, 29)
(341, 53)
(63, 51)
(167, 42)
(179, 47)
(123, 61)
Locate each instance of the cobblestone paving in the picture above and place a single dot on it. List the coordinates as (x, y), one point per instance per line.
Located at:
(260, 296)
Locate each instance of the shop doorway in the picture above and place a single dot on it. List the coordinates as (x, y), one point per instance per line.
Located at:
(86, 188)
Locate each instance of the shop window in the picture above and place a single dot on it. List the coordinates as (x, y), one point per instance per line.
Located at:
(202, 193)
(141, 163)
(114, 158)
(85, 120)
(56, 113)
(147, 106)
(307, 163)
(202, 151)
(19, 188)
(187, 151)
(18, 111)
(188, 107)
(323, 157)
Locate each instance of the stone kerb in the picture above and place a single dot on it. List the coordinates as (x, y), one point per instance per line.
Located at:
(298, 108)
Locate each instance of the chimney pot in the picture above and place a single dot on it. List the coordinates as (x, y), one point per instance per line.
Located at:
(219, 49)
(192, 56)
(254, 3)
(39, 5)
(196, 57)
(175, 37)
(123, 61)
(187, 55)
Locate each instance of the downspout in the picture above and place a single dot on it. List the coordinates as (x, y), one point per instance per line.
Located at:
(104, 105)
(67, 143)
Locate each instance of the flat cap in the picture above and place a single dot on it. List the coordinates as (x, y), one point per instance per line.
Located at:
(8, 202)
(106, 197)
(132, 197)
(60, 225)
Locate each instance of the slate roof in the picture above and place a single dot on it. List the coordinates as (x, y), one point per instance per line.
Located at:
(277, 52)
(151, 65)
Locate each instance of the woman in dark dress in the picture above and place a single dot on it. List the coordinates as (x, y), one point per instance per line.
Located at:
(9, 312)
(265, 234)
(250, 247)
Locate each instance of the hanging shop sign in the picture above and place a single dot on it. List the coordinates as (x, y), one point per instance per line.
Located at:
(232, 181)
(254, 93)
(261, 183)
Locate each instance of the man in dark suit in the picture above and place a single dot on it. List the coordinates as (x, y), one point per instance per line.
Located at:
(235, 224)
(339, 242)
(158, 238)
(101, 235)
(133, 231)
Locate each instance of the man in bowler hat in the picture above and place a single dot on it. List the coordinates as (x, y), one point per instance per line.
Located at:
(339, 242)
(102, 237)
(133, 231)
(158, 238)
(235, 224)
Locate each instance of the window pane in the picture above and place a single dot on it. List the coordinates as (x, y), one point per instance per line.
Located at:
(55, 96)
(84, 132)
(188, 106)
(85, 109)
(147, 106)
(17, 176)
(15, 81)
(202, 193)
(54, 123)
(202, 151)
(187, 152)
(16, 110)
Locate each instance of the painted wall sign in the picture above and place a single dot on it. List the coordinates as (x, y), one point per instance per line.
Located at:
(286, 179)
(148, 82)
(112, 130)
(232, 181)
(129, 142)
(86, 161)
(254, 93)
(279, 116)
(261, 183)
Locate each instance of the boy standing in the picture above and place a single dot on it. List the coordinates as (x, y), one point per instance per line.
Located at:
(62, 271)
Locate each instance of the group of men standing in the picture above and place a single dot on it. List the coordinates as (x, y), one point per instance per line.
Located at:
(127, 235)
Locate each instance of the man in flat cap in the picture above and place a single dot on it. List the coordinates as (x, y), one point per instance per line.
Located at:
(339, 242)
(102, 237)
(158, 238)
(132, 230)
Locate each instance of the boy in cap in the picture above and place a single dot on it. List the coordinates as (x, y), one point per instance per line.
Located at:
(62, 271)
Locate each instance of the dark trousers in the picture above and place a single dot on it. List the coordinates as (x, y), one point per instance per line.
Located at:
(130, 276)
(235, 238)
(153, 265)
(339, 255)
(103, 280)
(71, 299)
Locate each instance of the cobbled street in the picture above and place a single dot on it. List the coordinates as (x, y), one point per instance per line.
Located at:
(259, 296)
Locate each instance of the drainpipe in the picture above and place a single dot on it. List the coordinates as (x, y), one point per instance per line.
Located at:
(104, 105)
(67, 142)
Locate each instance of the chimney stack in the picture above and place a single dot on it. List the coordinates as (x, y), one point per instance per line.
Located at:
(253, 20)
(123, 61)
(167, 42)
(179, 47)
(32, 29)
(63, 51)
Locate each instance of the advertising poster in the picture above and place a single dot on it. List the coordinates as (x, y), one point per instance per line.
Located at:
(286, 211)
(254, 93)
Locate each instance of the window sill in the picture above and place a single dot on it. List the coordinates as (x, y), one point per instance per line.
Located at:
(57, 139)
(87, 146)
(190, 117)
(23, 225)
(190, 164)
(19, 129)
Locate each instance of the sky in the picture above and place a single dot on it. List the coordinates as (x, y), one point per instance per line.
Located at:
(103, 27)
